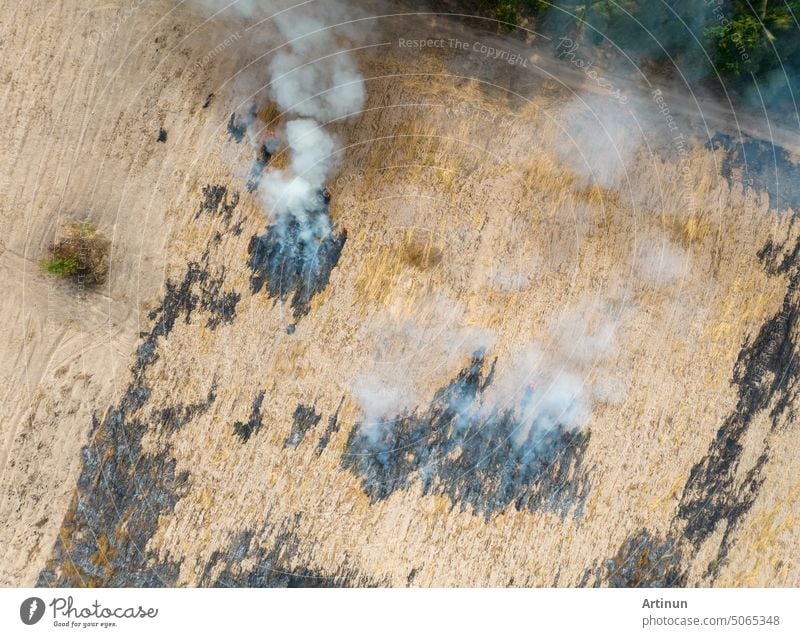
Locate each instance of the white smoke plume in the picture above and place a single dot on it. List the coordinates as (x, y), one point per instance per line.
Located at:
(294, 190)
(661, 260)
(436, 338)
(547, 386)
(314, 76)
(600, 138)
(310, 75)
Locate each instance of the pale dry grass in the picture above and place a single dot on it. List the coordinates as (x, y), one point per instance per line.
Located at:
(457, 205)
(434, 206)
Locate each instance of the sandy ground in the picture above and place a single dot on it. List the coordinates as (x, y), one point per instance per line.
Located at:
(447, 165)
(81, 117)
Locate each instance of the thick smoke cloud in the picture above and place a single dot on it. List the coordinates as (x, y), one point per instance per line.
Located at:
(543, 387)
(310, 76)
(294, 190)
(506, 430)
(313, 76)
(438, 333)
(599, 139)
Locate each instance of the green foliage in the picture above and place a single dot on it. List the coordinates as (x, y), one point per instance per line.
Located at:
(606, 19)
(726, 39)
(79, 253)
(757, 38)
(507, 12)
(734, 42)
(513, 12)
(61, 266)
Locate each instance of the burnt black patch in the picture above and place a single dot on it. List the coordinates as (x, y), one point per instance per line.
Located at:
(258, 167)
(209, 99)
(237, 127)
(305, 418)
(295, 257)
(246, 429)
(178, 300)
(162, 136)
(719, 491)
(766, 377)
(330, 430)
(763, 166)
(121, 492)
(220, 305)
(276, 565)
(642, 561)
(217, 202)
(175, 417)
(472, 457)
(199, 289)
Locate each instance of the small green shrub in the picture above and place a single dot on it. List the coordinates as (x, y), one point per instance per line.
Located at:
(79, 253)
(61, 266)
